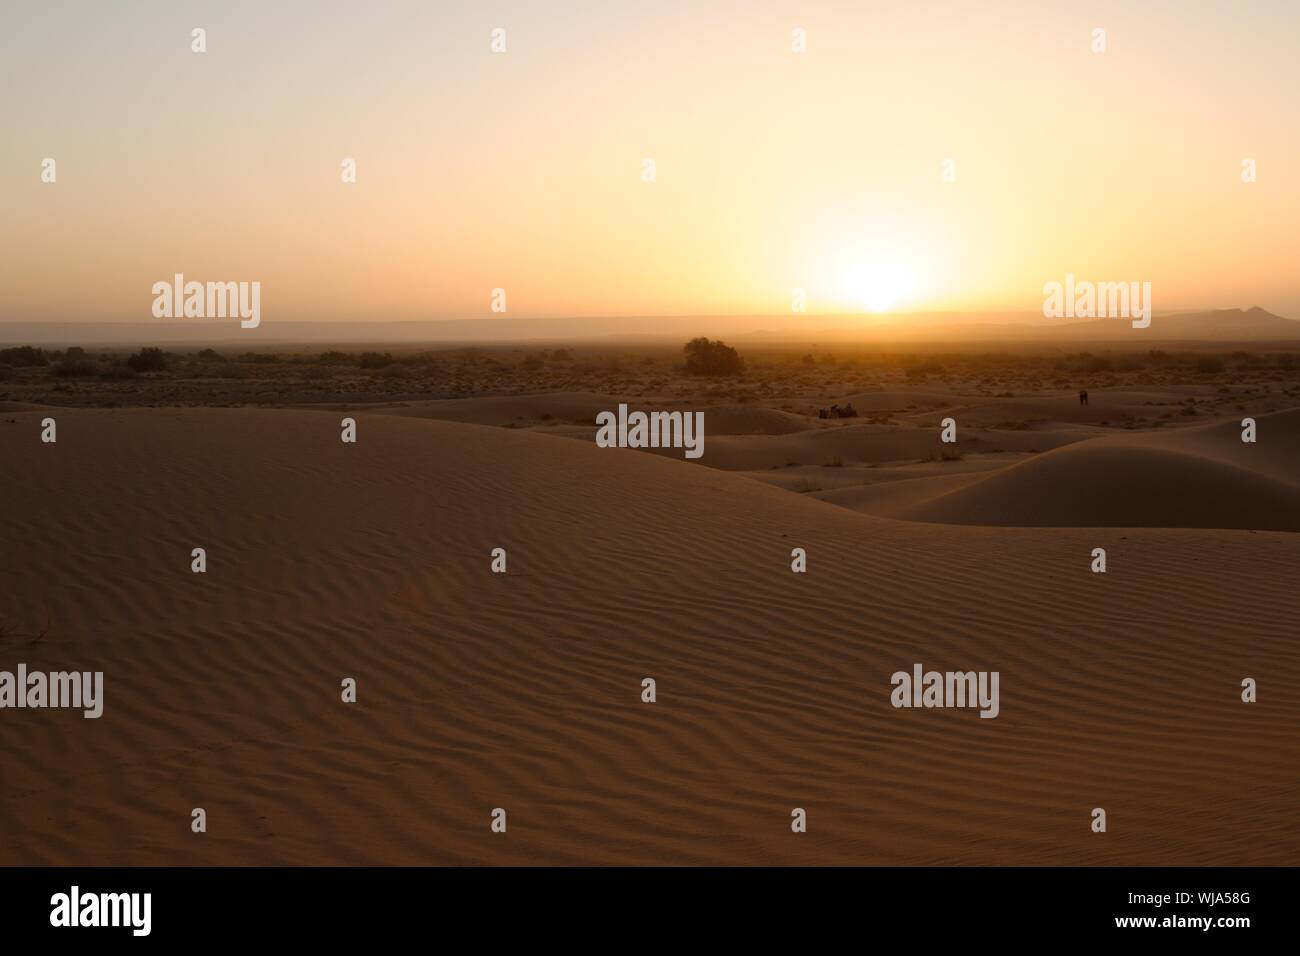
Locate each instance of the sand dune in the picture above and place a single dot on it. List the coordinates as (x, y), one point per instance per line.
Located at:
(581, 408)
(1202, 477)
(503, 410)
(1276, 451)
(897, 400)
(1114, 484)
(862, 443)
(898, 499)
(1058, 410)
(522, 690)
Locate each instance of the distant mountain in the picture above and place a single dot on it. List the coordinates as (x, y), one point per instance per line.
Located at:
(1221, 325)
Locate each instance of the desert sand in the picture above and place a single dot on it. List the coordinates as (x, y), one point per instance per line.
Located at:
(522, 690)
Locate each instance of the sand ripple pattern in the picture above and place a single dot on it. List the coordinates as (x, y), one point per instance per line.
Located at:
(522, 690)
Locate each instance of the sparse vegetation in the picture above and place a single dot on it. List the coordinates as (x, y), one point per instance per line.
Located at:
(75, 368)
(24, 357)
(148, 359)
(375, 360)
(923, 370)
(1262, 379)
(945, 453)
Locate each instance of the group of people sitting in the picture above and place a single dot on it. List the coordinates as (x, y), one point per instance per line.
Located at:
(836, 412)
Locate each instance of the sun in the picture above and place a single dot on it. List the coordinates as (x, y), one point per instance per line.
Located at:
(878, 282)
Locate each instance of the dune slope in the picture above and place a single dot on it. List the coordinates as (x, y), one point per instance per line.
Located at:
(1203, 477)
(522, 690)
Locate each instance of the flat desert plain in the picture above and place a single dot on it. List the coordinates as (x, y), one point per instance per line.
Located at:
(479, 690)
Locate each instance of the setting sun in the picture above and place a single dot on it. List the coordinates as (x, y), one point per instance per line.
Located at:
(877, 283)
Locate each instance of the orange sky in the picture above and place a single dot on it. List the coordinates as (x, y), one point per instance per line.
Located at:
(523, 170)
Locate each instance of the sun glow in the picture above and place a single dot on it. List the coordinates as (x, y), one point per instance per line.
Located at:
(878, 282)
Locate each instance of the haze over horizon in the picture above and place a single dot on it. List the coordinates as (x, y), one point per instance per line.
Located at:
(523, 170)
(1255, 326)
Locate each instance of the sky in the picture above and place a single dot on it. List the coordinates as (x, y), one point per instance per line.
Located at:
(775, 171)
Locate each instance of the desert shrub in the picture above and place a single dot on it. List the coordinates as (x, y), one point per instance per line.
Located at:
(924, 369)
(116, 371)
(335, 358)
(707, 357)
(375, 359)
(422, 359)
(75, 368)
(24, 356)
(148, 359)
(210, 355)
(1209, 364)
(75, 352)
(6, 373)
(561, 355)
